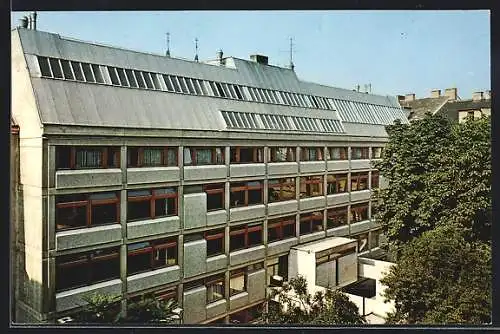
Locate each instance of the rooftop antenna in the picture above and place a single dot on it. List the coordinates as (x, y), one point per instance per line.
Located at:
(196, 49)
(370, 87)
(292, 66)
(357, 88)
(167, 53)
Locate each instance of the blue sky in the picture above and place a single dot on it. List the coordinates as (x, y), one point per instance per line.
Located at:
(398, 52)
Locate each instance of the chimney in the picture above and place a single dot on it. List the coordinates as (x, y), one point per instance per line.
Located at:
(23, 22)
(451, 93)
(33, 16)
(259, 59)
(476, 96)
(487, 95)
(410, 97)
(219, 56)
(435, 93)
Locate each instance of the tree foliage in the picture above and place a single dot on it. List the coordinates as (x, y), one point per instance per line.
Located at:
(438, 174)
(292, 304)
(441, 278)
(103, 308)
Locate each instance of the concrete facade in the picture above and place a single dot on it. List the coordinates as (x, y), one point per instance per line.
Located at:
(43, 185)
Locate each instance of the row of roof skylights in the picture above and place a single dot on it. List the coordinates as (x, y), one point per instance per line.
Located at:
(85, 72)
(349, 111)
(243, 120)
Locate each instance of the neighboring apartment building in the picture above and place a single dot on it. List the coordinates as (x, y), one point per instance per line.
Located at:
(448, 105)
(142, 173)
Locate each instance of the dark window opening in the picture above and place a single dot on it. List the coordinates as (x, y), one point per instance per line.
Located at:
(245, 193)
(197, 156)
(336, 217)
(311, 222)
(87, 268)
(43, 62)
(140, 80)
(121, 75)
(130, 77)
(359, 181)
(247, 154)
(151, 255)
(151, 156)
(87, 71)
(282, 154)
(215, 242)
(56, 68)
(359, 212)
(215, 196)
(97, 73)
(336, 183)
(150, 204)
(281, 189)
(113, 76)
(337, 153)
(67, 70)
(245, 236)
(359, 153)
(76, 211)
(280, 228)
(311, 154)
(311, 186)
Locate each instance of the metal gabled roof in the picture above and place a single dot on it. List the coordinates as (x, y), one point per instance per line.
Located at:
(68, 102)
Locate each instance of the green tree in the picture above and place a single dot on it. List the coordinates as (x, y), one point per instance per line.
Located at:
(441, 278)
(292, 304)
(103, 308)
(438, 173)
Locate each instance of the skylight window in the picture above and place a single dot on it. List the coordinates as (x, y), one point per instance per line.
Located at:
(68, 74)
(56, 68)
(139, 78)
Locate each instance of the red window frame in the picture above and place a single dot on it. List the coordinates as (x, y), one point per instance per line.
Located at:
(343, 152)
(333, 214)
(86, 261)
(88, 203)
(214, 235)
(356, 178)
(138, 152)
(336, 180)
(245, 230)
(246, 188)
(364, 153)
(215, 188)
(257, 154)
(310, 218)
(152, 199)
(280, 187)
(307, 181)
(305, 153)
(279, 225)
(289, 151)
(358, 210)
(213, 159)
(105, 152)
(151, 249)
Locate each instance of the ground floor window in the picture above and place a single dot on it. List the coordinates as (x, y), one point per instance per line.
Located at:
(248, 315)
(87, 268)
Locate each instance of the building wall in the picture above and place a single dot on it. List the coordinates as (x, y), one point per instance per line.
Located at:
(30, 242)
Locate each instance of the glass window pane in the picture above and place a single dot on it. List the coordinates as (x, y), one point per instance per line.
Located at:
(130, 77)
(97, 73)
(87, 71)
(68, 74)
(56, 68)
(123, 78)
(113, 75)
(43, 62)
(139, 78)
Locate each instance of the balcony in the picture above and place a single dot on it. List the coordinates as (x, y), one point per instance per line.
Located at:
(82, 178)
(152, 227)
(153, 278)
(360, 164)
(362, 195)
(282, 168)
(312, 166)
(152, 175)
(281, 246)
(279, 208)
(70, 299)
(312, 203)
(336, 199)
(216, 217)
(246, 255)
(242, 170)
(338, 165)
(88, 236)
(210, 172)
(247, 212)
